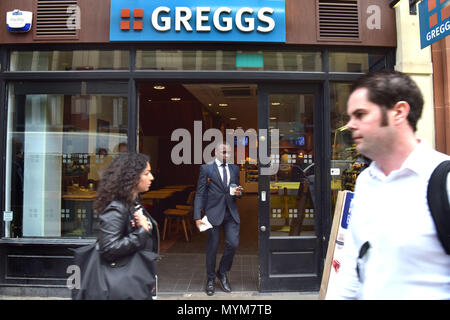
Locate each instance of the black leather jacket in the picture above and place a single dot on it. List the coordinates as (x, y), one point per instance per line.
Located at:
(118, 239)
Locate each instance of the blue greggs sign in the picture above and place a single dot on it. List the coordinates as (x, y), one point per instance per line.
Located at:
(434, 18)
(198, 20)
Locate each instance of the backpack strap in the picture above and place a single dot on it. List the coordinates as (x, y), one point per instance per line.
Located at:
(438, 203)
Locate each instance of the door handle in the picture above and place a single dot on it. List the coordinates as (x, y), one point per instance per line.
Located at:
(263, 196)
(263, 228)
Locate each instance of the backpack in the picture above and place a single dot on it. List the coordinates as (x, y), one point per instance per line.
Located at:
(438, 203)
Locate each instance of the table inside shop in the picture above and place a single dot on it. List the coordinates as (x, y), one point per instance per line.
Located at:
(77, 209)
(155, 197)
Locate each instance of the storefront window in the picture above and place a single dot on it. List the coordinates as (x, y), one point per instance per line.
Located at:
(57, 146)
(77, 60)
(228, 60)
(356, 62)
(346, 163)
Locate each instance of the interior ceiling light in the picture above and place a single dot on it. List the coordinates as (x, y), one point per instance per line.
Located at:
(273, 118)
(175, 99)
(223, 104)
(276, 103)
(158, 87)
(149, 100)
(233, 119)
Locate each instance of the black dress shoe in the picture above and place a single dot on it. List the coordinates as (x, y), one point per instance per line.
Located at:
(210, 287)
(223, 281)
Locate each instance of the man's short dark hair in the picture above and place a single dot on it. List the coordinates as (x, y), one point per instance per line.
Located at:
(387, 87)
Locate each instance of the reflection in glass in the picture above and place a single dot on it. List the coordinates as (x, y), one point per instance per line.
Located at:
(77, 60)
(356, 62)
(292, 210)
(228, 60)
(57, 147)
(346, 163)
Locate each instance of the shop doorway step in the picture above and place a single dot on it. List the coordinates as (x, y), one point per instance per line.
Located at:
(185, 273)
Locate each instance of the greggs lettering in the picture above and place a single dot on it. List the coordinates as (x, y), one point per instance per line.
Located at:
(222, 19)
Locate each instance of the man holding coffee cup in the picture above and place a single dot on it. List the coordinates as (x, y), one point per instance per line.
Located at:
(218, 188)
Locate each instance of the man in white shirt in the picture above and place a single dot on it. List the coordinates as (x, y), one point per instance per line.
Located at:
(391, 249)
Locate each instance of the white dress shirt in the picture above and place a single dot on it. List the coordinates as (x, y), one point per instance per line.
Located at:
(406, 259)
(219, 165)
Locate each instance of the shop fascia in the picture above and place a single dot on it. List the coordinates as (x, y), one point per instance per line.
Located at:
(198, 21)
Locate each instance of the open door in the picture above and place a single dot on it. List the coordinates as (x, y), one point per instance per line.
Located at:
(290, 239)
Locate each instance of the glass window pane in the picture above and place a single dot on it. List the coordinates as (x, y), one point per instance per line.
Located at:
(77, 60)
(292, 210)
(356, 62)
(346, 163)
(228, 60)
(57, 147)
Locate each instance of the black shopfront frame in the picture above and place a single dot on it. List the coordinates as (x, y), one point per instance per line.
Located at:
(59, 247)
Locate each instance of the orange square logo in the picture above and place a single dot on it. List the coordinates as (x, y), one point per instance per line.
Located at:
(137, 25)
(433, 20)
(124, 13)
(431, 4)
(138, 13)
(445, 13)
(124, 25)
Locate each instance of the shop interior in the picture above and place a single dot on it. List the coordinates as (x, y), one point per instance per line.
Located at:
(166, 107)
(163, 108)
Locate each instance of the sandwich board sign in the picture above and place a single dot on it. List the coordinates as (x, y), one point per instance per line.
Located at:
(341, 220)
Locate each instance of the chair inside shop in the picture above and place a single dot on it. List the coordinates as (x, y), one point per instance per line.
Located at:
(181, 214)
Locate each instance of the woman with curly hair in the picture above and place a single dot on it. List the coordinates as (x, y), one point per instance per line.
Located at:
(125, 227)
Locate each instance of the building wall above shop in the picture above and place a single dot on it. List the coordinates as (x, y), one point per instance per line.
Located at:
(308, 22)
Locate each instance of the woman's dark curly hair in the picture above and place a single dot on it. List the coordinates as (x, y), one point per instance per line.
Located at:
(119, 180)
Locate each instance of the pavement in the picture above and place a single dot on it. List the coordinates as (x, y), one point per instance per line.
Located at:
(241, 295)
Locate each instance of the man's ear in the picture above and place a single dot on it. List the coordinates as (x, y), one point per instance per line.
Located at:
(400, 112)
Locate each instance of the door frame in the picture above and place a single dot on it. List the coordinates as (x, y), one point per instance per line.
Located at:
(268, 244)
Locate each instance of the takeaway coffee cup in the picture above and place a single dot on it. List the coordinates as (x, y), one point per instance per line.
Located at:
(233, 189)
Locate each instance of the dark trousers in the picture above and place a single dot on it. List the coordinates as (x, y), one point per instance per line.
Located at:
(231, 233)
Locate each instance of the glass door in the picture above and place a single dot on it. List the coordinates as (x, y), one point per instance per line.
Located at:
(290, 240)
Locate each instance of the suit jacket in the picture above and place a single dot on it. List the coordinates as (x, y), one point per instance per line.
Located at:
(213, 197)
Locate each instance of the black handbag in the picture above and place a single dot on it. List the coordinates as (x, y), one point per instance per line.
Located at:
(131, 278)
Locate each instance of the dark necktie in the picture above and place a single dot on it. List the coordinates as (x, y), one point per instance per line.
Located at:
(224, 176)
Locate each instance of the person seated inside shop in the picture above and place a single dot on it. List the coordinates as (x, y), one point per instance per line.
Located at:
(122, 147)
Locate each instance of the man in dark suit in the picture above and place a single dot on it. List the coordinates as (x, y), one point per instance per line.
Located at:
(214, 198)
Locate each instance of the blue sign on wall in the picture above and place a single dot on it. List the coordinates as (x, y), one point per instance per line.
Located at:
(198, 20)
(434, 18)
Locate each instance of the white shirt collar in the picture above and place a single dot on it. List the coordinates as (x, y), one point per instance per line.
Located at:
(413, 163)
(219, 163)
